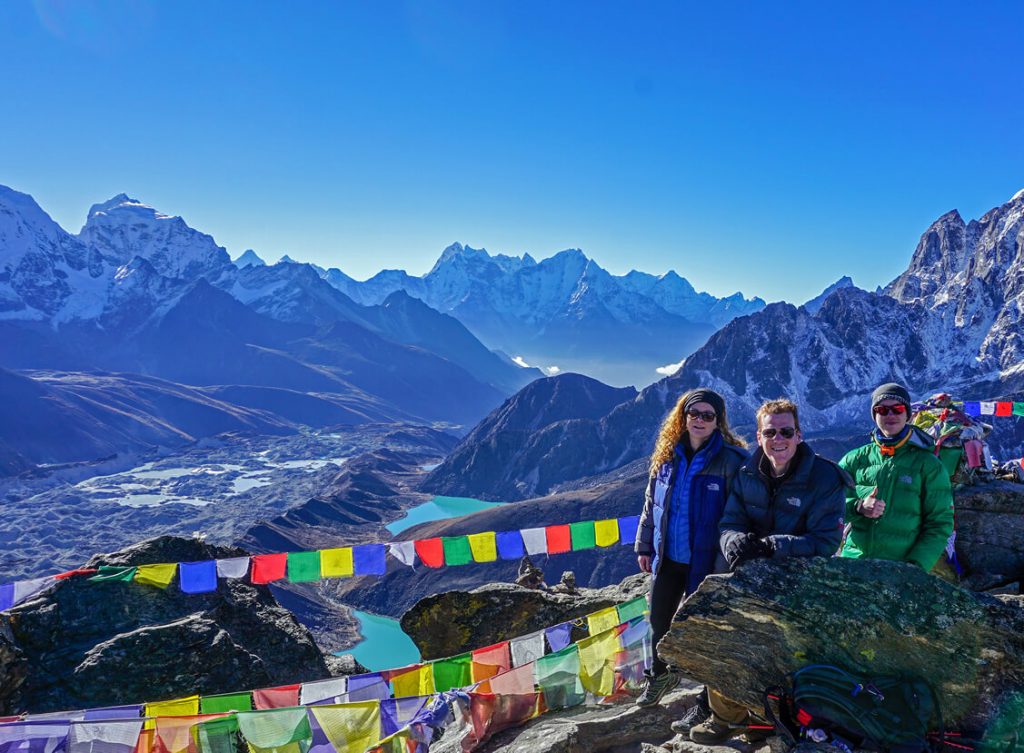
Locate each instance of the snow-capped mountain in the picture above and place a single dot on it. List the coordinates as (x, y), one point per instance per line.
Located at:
(249, 258)
(565, 310)
(815, 303)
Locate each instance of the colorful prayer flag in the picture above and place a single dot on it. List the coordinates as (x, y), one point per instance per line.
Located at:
(188, 706)
(603, 620)
(518, 681)
(173, 734)
(484, 546)
(559, 539)
(988, 408)
(367, 687)
(336, 563)
(233, 567)
(322, 690)
(26, 589)
(369, 559)
(113, 574)
(303, 567)
(455, 672)
(633, 608)
(113, 712)
(972, 408)
(597, 662)
(431, 552)
(491, 660)
(277, 731)
(351, 728)
(281, 697)
(1004, 409)
(403, 551)
(606, 532)
(218, 735)
(396, 713)
(582, 535)
(627, 530)
(527, 648)
(156, 575)
(34, 736)
(558, 676)
(225, 702)
(415, 680)
(456, 550)
(198, 577)
(6, 596)
(1018, 409)
(535, 540)
(267, 568)
(104, 736)
(510, 545)
(559, 636)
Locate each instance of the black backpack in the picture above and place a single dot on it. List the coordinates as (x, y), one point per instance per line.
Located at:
(828, 704)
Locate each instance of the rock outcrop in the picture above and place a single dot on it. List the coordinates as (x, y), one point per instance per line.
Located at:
(746, 631)
(989, 532)
(80, 644)
(450, 623)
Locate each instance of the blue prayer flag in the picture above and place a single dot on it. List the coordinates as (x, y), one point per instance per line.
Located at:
(368, 687)
(972, 409)
(627, 530)
(510, 545)
(559, 636)
(369, 559)
(396, 713)
(113, 712)
(6, 596)
(198, 577)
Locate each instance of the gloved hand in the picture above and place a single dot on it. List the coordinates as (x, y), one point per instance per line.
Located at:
(740, 548)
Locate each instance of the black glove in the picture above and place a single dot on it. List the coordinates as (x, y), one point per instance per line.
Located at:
(764, 548)
(740, 548)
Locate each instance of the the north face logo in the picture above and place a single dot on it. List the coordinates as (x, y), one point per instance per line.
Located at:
(714, 487)
(795, 501)
(906, 479)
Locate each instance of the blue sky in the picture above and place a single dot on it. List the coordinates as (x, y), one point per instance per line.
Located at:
(762, 147)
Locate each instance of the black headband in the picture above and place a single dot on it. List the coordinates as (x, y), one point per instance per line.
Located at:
(704, 395)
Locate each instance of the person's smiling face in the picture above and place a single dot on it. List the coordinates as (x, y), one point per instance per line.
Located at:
(892, 418)
(771, 437)
(701, 421)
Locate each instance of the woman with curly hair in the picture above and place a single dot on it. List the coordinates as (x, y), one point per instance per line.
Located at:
(695, 460)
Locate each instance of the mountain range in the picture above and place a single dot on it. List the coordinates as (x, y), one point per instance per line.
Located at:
(951, 322)
(565, 311)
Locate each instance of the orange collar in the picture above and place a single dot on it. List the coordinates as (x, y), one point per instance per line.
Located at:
(888, 450)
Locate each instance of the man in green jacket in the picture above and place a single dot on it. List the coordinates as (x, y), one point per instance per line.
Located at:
(901, 507)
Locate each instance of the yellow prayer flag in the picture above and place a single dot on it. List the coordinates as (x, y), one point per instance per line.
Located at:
(416, 681)
(156, 575)
(606, 532)
(350, 727)
(178, 707)
(483, 546)
(336, 563)
(597, 662)
(606, 619)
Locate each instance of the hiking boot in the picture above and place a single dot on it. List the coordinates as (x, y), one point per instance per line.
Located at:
(656, 687)
(697, 713)
(713, 731)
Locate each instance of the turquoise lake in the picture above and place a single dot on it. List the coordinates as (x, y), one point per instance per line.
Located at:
(384, 645)
(439, 508)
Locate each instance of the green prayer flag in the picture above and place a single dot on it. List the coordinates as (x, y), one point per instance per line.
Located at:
(225, 702)
(457, 550)
(582, 535)
(287, 730)
(111, 573)
(631, 609)
(558, 675)
(453, 673)
(303, 567)
(217, 735)
(1018, 409)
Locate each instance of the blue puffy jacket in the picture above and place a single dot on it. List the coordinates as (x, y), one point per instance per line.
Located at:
(709, 490)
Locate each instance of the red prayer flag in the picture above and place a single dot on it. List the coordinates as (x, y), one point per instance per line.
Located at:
(491, 660)
(431, 552)
(268, 567)
(559, 539)
(1004, 409)
(276, 698)
(73, 573)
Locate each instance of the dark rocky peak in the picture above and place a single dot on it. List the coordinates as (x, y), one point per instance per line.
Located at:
(96, 636)
(815, 303)
(941, 254)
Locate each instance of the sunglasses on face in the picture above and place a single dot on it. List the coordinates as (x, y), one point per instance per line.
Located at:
(787, 432)
(885, 410)
(704, 415)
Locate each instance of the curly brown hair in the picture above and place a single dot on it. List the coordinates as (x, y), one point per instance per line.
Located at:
(673, 428)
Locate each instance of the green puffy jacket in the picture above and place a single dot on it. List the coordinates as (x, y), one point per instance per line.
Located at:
(918, 517)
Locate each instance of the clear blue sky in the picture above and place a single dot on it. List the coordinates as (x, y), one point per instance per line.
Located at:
(765, 147)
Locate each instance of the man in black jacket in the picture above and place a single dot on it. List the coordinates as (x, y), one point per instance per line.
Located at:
(786, 501)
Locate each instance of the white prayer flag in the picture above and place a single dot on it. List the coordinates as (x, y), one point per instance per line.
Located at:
(535, 540)
(118, 736)
(403, 551)
(528, 648)
(988, 409)
(236, 567)
(314, 692)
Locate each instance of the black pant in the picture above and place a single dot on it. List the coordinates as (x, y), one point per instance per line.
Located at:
(667, 592)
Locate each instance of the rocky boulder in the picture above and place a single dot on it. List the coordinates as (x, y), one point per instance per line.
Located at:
(746, 631)
(989, 532)
(80, 644)
(456, 621)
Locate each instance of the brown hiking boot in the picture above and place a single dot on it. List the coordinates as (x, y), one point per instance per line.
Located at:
(713, 731)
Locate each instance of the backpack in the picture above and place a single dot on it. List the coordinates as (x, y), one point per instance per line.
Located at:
(828, 704)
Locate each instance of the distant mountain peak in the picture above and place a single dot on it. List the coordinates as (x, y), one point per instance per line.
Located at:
(1018, 196)
(123, 201)
(249, 259)
(286, 259)
(814, 304)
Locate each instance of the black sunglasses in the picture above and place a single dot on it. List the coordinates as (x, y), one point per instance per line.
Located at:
(704, 415)
(788, 432)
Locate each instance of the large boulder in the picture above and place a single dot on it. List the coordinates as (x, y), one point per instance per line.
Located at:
(746, 631)
(80, 644)
(456, 621)
(989, 532)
